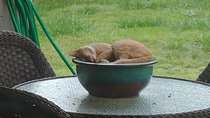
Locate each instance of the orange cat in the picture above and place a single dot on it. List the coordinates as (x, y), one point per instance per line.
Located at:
(95, 52)
(122, 51)
(129, 51)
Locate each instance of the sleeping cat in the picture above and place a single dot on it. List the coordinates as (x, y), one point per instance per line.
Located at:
(122, 51)
(95, 52)
(129, 51)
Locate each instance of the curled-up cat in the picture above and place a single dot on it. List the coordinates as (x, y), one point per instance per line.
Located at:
(122, 51)
(95, 52)
(129, 51)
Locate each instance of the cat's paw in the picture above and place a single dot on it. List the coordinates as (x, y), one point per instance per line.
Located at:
(104, 61)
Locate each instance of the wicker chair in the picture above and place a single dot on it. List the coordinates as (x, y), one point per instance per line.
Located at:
(16, 103)
(205, 75)
(21, 60)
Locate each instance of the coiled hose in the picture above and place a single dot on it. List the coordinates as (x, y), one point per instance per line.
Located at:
(24, 23)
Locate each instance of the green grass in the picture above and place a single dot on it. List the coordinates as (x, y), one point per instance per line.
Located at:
(176, 31)
(140, 21)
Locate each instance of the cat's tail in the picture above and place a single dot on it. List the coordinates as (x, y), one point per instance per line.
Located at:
(134, 60)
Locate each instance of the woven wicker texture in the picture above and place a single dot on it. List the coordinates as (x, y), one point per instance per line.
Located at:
(20, 104)
(21, 60)
(205, 75)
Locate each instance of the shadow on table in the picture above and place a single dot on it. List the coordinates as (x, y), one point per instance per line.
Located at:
(116, 106)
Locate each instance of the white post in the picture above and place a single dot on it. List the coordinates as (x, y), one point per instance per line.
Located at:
(5, 19)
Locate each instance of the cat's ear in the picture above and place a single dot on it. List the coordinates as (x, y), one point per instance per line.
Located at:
(74, 53)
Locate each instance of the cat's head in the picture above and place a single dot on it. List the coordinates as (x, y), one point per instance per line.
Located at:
(85, 53)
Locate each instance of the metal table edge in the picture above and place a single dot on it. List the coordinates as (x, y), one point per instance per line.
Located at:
(42, 79)
(193, 114)
(199, 82)
(60, 77)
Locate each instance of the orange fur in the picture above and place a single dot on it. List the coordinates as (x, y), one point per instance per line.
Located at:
(122, 51)
(129, 51)
(95, 52)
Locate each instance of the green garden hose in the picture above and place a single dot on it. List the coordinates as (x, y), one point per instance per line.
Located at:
(25, 24)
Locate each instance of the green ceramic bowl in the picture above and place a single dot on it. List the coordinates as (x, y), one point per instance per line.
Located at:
(114, 80)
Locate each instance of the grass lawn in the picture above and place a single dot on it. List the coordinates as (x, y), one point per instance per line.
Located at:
(176, 31)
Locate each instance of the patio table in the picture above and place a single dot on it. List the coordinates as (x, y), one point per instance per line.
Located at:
(163, 97)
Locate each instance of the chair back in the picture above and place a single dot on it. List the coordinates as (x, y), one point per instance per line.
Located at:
(16, 103)
(21, 60)
(205, 75)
